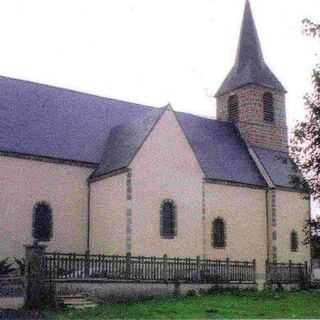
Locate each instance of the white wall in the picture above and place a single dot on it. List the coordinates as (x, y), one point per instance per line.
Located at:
(108, 215)
(166, 168)
(64, 187)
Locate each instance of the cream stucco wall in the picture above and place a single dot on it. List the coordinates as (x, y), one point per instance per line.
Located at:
(166, 168)
(244, 213)
(108, 215)
(64, 187)
(292, 212)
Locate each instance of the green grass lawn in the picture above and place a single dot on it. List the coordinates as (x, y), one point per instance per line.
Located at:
(217, 306)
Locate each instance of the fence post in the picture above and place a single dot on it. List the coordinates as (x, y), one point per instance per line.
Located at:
(307, 275)
(87, 264)
(306, 269)
(165, 268)
(254, 263)
(35, 276)
(198, 269)
(290, 270)
(128, 265)
(228, 269)
(267, 271)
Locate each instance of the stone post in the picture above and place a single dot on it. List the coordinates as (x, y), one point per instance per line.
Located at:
(34, 276)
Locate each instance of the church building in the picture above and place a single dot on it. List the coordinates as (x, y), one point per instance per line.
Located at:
(119, 177)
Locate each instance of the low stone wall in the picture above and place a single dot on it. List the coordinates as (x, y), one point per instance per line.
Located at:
(104, 291)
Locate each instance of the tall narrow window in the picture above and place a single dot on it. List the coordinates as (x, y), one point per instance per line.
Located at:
(218, 233)
(42, 223)
(294, 241)
(233, 108)
(268, 109)
(168, 219)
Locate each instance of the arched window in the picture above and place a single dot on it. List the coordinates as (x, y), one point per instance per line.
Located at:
(168, 219)
(218, 233)
(42, 223)
(233, 108)
(268, 109)
(294, 241)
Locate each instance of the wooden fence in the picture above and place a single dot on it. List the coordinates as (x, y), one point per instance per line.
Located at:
(156, 269)
(287, 272)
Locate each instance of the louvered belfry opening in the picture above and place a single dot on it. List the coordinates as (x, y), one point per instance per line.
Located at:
(268, 108)
(233, 108)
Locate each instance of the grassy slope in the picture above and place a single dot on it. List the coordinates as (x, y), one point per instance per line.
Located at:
(224, 305)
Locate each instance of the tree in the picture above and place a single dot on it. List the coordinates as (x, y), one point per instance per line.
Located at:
(305, 146)
(312, 236)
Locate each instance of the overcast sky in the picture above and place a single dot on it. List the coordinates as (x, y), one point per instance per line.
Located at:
(153, 51)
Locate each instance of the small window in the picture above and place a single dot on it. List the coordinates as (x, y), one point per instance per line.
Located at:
(294, 241)
(268, 109)
(218, 233)
(168, 219)
(42, 223)
(233, 108)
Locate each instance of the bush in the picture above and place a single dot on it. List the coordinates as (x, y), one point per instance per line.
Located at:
(191, 293)
(6, 267)
(21, 263)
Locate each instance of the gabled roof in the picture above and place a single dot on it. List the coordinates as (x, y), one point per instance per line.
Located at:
(249, 67)
(278, 166)
(44, 121)
(218, 147)
(124, 141)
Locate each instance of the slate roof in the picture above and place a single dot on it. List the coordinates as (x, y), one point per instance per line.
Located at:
(249, 67)
(40, 120)
(221, 152)
(278, 166)
(124, 141)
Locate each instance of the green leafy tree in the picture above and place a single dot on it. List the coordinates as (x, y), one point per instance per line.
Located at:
(305, 145)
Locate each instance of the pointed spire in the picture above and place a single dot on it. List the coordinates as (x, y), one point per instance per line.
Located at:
(249, 66)
(249, 48)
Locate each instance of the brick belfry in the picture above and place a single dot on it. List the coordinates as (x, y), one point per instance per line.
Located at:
(251, 96)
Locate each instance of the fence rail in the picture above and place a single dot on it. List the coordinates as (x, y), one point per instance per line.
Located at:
(287, 272)
(158, 269)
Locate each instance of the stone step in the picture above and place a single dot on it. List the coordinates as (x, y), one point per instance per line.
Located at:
(74, 296)
(78, 301)
(84, 306)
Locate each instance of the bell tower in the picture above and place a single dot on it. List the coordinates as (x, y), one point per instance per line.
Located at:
(251, 96)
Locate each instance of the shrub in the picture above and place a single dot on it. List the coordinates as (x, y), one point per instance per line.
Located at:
(6, 267)
(191, 293)
(21, 263)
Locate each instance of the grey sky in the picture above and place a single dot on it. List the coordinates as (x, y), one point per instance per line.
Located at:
(153, 51)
